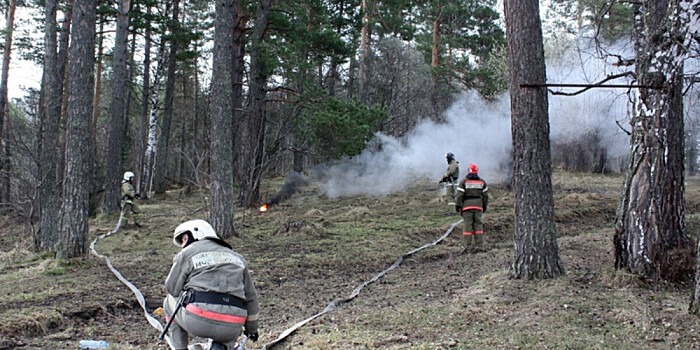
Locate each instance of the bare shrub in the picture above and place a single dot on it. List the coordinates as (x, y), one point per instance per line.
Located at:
(583, 153)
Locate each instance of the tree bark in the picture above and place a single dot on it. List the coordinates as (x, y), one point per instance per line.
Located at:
(47, 235)
(117, 122)
(63, 42)
(161, 173)
(238, 65)
(98, 176)
(4, 108)
(79, 161)
(221, 108)
(651, 214)
(435, 57)
(257, 119)
(536, 253)
(364, 47)
(145, 98)
(131, 156)
(152, 138)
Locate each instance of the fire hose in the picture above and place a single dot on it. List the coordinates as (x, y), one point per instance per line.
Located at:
(139, 296)
(338, 302)
(329, 308)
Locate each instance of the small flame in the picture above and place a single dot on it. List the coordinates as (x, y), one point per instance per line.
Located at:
(263, 208)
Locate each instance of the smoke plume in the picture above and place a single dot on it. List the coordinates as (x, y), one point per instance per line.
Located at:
(477, 131)
(292, 183)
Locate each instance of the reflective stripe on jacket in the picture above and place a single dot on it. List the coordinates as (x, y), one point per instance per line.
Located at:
(472, 194)
(205, 265)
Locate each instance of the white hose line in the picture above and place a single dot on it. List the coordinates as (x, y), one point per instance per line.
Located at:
(335, 303)
(139, 296)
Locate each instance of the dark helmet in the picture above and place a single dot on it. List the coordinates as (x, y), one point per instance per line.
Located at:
(473, 168)
(450, 156)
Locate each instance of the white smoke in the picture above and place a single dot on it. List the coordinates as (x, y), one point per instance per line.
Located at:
(477, 131)
(603, 111)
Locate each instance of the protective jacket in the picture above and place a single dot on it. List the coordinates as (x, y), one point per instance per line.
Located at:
(128, 192)
(452, 173)
(210, 268)
(472, 194)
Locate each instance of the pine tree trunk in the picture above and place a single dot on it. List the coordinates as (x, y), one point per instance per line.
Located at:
(250, 188)
(117, 122)
(145, 98)
(79, 161)
(48, 154)
(221, 107)
(364, 47)
(238, 65)
(536, 253)
(161, 173)
(63, 42)
(96, 112)
(5, 189)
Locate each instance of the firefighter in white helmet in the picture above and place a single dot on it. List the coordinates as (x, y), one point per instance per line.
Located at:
(129, 196)
(449, 181)
(212, 283)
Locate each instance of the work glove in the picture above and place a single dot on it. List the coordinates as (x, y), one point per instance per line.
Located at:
(458, 208)
(252, 336)
(484, 209)
(137, 196)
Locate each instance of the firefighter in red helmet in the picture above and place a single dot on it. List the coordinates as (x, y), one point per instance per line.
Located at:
(472, 201)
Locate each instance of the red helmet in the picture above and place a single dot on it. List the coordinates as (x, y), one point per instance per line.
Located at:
(473, 168)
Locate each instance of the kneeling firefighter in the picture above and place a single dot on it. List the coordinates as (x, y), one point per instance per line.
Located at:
(210, 291)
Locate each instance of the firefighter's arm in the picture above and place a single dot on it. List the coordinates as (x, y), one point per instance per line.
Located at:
(252, 306)
(128, 191)
(485, 198)
(175, 282)
(459, 198)
(452, 172)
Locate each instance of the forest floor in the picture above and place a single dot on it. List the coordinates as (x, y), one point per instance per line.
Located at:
(309, 250)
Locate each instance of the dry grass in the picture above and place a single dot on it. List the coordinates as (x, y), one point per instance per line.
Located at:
(310, 250)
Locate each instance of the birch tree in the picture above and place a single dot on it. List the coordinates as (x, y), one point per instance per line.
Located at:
(650, 220)
(149, 158)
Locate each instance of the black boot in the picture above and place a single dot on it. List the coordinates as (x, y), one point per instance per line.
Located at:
(217, 346)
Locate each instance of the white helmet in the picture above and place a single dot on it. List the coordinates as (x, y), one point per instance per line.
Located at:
(199, 228)
(128, 175)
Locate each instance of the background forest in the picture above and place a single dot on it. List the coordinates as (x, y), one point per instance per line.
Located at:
(209, 101)
(331, 73)
(221, 95)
